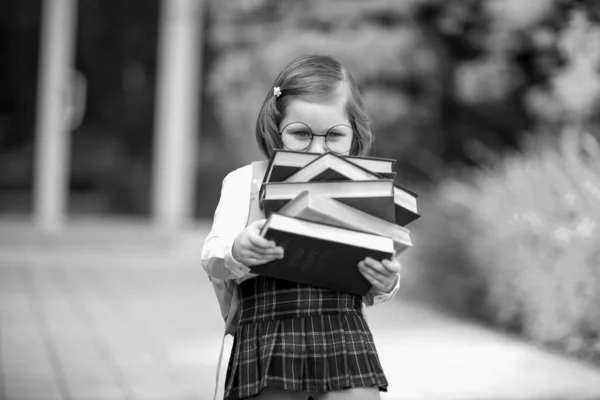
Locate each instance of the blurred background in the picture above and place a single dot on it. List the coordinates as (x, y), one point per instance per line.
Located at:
(135, 110)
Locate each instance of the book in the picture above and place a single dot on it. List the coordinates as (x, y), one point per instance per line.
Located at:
(316, 208)
(321, 255)
(375, 197)
(332, 167)
(284, 163)
(405, 202)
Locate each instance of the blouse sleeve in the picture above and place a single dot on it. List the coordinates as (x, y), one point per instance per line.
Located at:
(371, 299)
(229, 220)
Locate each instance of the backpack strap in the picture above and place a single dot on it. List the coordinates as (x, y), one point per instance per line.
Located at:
(228, 323)
(258, 173)
(255, 213)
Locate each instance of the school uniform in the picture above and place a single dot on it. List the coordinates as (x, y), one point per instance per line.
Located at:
(289, 336)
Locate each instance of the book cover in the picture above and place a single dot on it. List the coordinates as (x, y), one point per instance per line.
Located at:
(321, 255)
(284, 163)
(388, 175)
(316, 208)
(404, 216)
(405, 202)
(331, 167)
(373, 197)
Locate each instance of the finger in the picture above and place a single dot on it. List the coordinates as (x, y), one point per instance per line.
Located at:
(258, 224)
(380, 282)
(366, 270)
(276, 252)
(267, 251)
(261, 242)
(256, 259)
(392, 266)
(377, 285)
(247, 249)
(376, 265)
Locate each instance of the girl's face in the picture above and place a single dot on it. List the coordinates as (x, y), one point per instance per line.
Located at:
(326, 122)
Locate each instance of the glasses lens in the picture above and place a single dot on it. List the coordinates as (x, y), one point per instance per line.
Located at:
(296, 136)
(339, 138)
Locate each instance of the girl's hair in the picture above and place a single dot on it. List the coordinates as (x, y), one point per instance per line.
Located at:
(314, 77)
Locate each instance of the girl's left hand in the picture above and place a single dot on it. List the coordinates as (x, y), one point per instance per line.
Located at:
(382, 275)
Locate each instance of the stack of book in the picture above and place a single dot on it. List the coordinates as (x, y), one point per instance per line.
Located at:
(329, 212)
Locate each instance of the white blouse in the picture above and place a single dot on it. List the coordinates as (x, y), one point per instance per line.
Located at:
(229, 220)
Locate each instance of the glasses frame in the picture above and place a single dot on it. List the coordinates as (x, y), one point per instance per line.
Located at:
(315, 134)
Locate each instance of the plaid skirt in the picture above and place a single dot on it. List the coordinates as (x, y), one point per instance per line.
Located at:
(300, 338)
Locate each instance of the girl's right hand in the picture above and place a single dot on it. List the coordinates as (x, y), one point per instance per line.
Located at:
(250, 248)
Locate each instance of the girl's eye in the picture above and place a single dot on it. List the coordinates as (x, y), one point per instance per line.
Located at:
(335, 135)
(301, 134)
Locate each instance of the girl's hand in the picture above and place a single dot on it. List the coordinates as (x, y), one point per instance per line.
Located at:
(382, 275)
(250, 248)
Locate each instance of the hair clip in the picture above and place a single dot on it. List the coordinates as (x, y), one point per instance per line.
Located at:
(276, 91)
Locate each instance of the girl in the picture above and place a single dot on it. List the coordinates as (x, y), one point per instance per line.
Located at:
(297, 341)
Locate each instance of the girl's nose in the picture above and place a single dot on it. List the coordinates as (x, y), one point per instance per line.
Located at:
(318, 145)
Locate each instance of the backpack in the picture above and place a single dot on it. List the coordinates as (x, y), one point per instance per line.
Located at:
(226, 289)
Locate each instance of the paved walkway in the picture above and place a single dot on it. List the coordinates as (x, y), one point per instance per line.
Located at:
(107, 313)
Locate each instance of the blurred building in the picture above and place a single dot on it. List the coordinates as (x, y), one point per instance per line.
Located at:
(62, 94)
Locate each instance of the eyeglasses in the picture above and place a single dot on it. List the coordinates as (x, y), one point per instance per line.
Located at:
(298, 136)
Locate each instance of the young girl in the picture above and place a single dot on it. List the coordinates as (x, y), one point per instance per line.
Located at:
(297, 341)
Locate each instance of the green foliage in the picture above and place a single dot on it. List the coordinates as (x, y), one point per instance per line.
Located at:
(529, 229)
(572, 93)
(517, 243)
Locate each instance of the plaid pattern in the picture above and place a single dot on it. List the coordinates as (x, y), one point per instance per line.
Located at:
(264, 299)
(300, 338)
